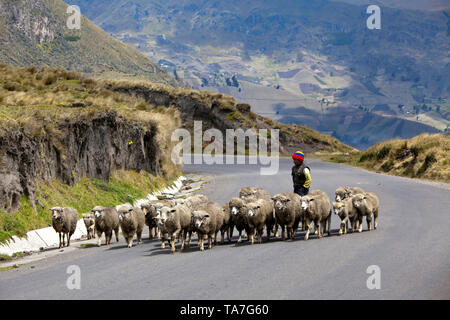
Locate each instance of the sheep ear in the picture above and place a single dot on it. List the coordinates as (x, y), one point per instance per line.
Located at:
(173, 210)
(287, 200)
(130, 210)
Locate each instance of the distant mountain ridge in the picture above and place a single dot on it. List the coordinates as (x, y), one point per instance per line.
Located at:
(34, 32)
(317, 55)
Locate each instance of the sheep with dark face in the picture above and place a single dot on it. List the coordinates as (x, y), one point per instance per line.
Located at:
(64, 221)
(150, 208)
(132, 221)
(89, 222)
(347, 212)
(239, 216)
(318, 210)
(288, 213)
(107, 221)
(260, 215)
(208, 220)
(346, 192)
(367, 204)
(175, 220)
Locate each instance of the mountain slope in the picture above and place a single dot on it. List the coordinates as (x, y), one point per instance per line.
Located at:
(34, 32)
(314, 55)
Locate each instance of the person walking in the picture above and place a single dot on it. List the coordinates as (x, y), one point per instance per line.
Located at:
(301, 174)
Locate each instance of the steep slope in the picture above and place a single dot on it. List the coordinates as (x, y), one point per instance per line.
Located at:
(34, 32)
(425, 156)
(317, 55)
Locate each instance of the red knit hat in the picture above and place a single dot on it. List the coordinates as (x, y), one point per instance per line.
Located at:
(298, 155)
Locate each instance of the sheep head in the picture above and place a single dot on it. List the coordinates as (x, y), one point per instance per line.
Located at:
(280, 202)
(57, 213)
(200, 218)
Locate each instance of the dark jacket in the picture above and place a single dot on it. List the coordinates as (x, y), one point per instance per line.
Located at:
(298, 175)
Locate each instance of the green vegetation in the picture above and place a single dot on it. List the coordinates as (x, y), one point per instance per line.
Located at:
(124, 186)
(425, 156)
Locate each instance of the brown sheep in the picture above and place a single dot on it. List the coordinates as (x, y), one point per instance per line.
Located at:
(208, 220)
(260, 215)
(150, 209)
(175, 220)
(64, 221)
(318, 210)
(346, 192)
(253, 193)
(367, 204)
(132, 221)
(89, 222)
(288, 213)
(239, 216)
(347, 212)
(107, 221)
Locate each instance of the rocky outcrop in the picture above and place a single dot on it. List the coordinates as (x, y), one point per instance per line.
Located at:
(85, 147)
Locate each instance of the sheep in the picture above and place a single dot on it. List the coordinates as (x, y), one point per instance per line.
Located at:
(193, 202)
(367, 204)
(106, 220)
(174, 220)
(346, 192)
(208, 220)
(259, 215)
(149, 210)
(253, 193)
(64, 220)
(288, 213)
(314, 192)
(318, 210)
(132, 222)
(239, 216)
(347, 212)
(89, 222)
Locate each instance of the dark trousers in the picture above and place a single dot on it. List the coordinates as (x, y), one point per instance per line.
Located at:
(301, 191)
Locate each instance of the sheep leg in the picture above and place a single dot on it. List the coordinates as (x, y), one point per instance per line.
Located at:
(309, 225)
(260, 233)
(360, 221)
(189, 240)
(200, 241)
(283, 232)
(139, 236)
(68, 239)
(163, 240)
(99, 235)
(369, 222)
(318, 229)
(275, 231)
(64, 239)
(150, 233)
(222, 236)
(240, 237)
(60, 240)
(210, 241)
(343, 228)
(375, 219)
(215, 239)
(172, 242)
(183, 240)
(230, 233)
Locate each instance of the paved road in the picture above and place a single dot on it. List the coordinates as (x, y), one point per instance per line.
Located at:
(411, 248)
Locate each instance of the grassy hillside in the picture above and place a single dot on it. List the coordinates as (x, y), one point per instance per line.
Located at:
(425, 156)
(42, 106)
(34, 32)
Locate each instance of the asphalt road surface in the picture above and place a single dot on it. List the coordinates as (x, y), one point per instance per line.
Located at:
(411, 247)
